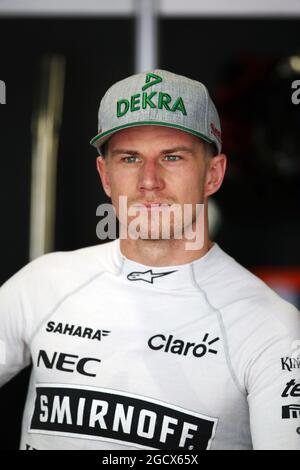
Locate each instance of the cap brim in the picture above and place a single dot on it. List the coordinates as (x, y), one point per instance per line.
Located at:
(102, 137)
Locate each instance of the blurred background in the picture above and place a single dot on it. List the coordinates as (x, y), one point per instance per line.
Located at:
(58, 58)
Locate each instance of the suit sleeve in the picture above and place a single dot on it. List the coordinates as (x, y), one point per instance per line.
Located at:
(14, 352)
(273, 383)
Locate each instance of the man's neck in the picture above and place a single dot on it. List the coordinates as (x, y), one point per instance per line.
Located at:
(162, 252)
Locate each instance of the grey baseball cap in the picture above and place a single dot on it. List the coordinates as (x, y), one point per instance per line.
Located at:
(159, 98)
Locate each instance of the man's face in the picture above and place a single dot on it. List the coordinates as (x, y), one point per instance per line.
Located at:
(154, 164)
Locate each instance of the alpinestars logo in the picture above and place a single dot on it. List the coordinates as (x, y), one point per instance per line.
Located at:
(120, 417)
(28, 447)
(147, 276)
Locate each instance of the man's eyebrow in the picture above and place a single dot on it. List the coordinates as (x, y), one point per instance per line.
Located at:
(180, 148)
(127, 151)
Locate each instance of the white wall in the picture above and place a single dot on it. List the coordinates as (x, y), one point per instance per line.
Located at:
(67, 7)
(167, 7)
(230, 7)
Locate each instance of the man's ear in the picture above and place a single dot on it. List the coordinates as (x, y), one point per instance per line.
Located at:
(103, 173)
(215, 173)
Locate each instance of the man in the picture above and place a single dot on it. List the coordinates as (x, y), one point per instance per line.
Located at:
(153, 342)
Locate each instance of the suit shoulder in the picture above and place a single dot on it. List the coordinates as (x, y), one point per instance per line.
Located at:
(233, 288)
(76, 265)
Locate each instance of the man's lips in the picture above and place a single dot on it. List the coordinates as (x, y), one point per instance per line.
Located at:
(151, 205)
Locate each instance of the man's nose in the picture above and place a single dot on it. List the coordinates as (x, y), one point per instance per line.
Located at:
(150, 176)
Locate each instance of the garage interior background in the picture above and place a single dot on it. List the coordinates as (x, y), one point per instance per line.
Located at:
(248, 56)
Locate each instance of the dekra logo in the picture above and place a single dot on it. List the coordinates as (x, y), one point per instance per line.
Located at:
(150, 100)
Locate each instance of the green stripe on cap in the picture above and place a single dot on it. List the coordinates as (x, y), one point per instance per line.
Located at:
(147, 123)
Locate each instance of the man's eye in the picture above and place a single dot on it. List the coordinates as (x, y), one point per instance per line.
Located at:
(130, 159)
(173, 158)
